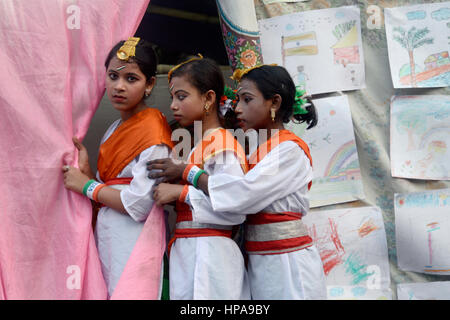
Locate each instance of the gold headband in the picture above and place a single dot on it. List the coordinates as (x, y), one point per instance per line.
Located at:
(128, 49)
(169, 74)
(239, 73)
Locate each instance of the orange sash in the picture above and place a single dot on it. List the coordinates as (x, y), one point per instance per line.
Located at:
(275, 140)
(143, 130)
(217, 141)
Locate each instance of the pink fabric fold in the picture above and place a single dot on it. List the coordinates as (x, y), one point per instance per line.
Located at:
(141, 278)
(52, 82)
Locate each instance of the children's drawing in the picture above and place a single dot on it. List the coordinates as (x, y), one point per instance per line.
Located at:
(420, 137)
(422, 222)
(321, 42)
(357, 293)
(352, 246)
(346, 49)
(337, 175)
(438, 290)
(418, 45)
(303, 44)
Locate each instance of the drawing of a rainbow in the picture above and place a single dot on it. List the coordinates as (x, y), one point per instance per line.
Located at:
(427, 135)
(339, 158)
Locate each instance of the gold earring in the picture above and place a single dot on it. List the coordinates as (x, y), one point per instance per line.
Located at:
(272, 114)
(206, 107)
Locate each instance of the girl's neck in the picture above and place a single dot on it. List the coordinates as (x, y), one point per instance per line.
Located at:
(210, 122)
(272, 127)
(125, 115)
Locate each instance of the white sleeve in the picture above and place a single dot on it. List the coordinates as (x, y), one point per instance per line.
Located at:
(202, 211)
(137, 197)
(281, 172)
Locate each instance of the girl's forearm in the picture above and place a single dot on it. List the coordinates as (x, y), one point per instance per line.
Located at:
(202, 183)
(110, 197)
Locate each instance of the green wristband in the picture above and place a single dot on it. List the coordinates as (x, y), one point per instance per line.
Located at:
(197, 176)
(86, 186)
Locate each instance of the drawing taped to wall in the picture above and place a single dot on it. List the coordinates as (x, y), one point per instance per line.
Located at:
(417, 38)
(337, 175)
(420, 137)
(352, 246)
(422, 222)
(438, 290)
(321, 42)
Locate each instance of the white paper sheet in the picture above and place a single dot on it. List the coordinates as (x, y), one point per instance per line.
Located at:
(420, 137)
(337, 176)
(422, 224)
(352, 245)
(439, 290)
(418, 45)
(321, 49)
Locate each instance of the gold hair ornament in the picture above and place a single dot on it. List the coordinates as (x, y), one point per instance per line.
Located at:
(128, 49)
(239, 73)
(169, 74)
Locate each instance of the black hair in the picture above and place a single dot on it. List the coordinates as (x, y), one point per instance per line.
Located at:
(145, 57)
(272, 80)
(205, 74)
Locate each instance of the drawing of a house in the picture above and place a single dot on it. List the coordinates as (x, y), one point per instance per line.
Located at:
(346, 50)
(436, 65)
(436, 60)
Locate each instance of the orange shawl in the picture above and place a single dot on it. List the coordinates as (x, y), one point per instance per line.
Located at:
(275, 140)
(217, 141)
(143, 130)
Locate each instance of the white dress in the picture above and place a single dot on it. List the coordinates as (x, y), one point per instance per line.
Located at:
(278, 183)
(210, 268)
(116, 233)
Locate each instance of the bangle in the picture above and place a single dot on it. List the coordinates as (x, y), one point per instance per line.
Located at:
(194, 174)
(191, 174)
(96, 190)
(186, 171)
(197, 176)
(91, 189)
(87, 185)
(184, 193)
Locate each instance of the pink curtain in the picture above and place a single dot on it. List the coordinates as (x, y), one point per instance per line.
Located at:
(52, 55)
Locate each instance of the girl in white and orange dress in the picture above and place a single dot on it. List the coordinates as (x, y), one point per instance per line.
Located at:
(283, 263)
(204, 261)
(121, 184)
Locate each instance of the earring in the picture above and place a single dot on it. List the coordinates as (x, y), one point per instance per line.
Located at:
(272, 114)
(147, 93)
(206, 107)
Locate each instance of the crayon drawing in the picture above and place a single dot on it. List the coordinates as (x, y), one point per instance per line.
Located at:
(422, 221)
(352, 246)
(438, 290)
(418, 49)
(420, 137)
(337, 176)
(314, 43)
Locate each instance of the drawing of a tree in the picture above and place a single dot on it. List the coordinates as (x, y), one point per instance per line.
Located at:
(413, 121)
(411, 40)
